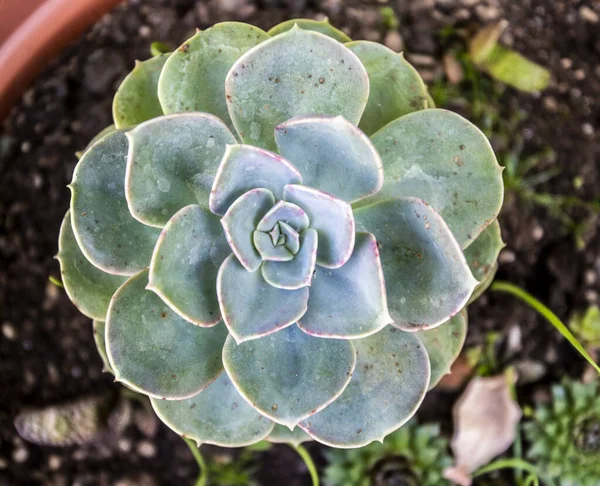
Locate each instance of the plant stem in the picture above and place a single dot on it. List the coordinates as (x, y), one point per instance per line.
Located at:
(547, 314)
(202, 477)
(314, 475)
(512, 464)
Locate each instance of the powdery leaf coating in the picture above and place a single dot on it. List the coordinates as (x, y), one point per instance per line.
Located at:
(426, 275)
(298, 272)
(444, 159)
(239, 223)
(348, 302)
(294, 73)
(289, 376)
(322, 26)
(283, 435)
(332, 155)
(105, 230)
(88, 287)
(245, 167)
(388, 385)
(193, 78)
(172, 162)
(217, 415)
(396, 87)
(443, 345)
(153, 350)
(185, 262)
(136, 100)
(100, 341)
(333, 220)
(252, 308)
(286, 212)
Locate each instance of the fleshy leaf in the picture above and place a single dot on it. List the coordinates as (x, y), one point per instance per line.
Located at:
(264, 244)
(136, 100)
(245, 167)
(332, 155)
(172, 163)
(348, 302)
(282, 435)
(333, 220)
(218, 415)
(252, 308)
(193, 78)
(287, 212)
(396, 87)
(444, 159)
(322, 26)
(106, 232)
(426, 275)
(185, 262)
(99, 339)
(289, 376)
(299, 72)
(153, 350)
(88, 287)
(483, 253)
(239, 223)
(388, 385)
(298, 272)
(484, 284)
(443, 345)
(292, 238)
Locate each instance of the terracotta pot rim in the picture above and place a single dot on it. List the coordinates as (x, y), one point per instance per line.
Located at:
(39, 38)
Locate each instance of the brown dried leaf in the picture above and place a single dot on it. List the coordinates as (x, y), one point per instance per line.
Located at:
(485, 421)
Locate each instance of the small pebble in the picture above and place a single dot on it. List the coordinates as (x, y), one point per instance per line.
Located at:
(591, 296)
(566, 63)
(589, 15)
(587, 129)
(590, 277)
(550, 103)
(20, 454)
(9, 331)
(25, 147)
(145, 31)
(394, 41)
(3, 463)
(507, 256)
(537, 233)
(124, 445)
(579, 74)
(146, 449)
(54, 462)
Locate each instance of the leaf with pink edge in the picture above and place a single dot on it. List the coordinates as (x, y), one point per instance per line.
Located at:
(289, 376)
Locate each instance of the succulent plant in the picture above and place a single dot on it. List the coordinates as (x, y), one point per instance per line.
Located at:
(273, 232)
(415, 455)
(564, 435)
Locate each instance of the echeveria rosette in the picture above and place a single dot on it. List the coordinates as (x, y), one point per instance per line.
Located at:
(266, 255)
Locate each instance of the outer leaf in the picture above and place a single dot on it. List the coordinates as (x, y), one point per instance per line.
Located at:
(172, 162)
(153, 350)
(298, 272)
(245, 167)
(193, 78)
(396, 86)
(185, 262)
(239, 223)
(268, 252)
(289, 376)
(88, 287)
(443, 345)
(107, 234)
(218, 415)
(332, 155)
(390, 381)
(288, 213)
(483, 253)
(349, 302)
(99, 339)
(298, 72)
(282, 435)
(426, 275)
(440, 157)
(322, 26)
(333, 220)
(252, 308)
(136, 100)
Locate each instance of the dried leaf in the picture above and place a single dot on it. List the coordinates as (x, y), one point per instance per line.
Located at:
(485, 420)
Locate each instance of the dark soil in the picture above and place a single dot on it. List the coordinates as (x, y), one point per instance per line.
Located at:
(47, 353)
